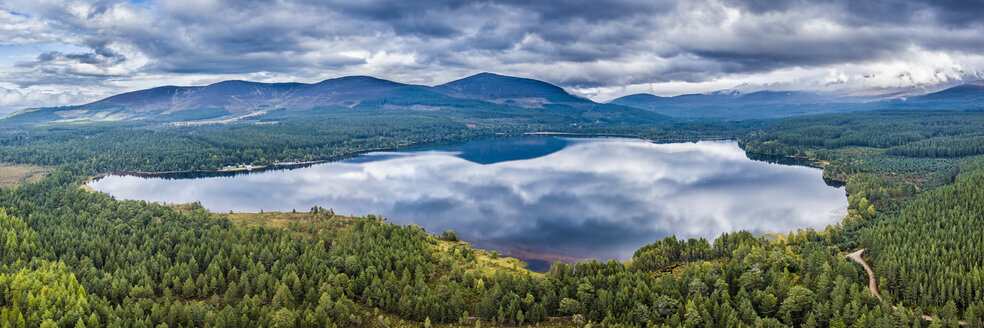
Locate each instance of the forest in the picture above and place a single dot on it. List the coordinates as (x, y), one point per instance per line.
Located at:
(74, 258)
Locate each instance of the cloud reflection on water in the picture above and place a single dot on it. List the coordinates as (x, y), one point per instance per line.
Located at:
(599, 197)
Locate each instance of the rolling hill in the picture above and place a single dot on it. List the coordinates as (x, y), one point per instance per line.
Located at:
(964, 96)
(509, 90)
(225, 99)
(481, 96)
(733, 105)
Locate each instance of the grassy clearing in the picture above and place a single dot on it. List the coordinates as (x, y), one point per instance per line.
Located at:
(265, 219)
(14, 175)
(777, 236)
(484, 263)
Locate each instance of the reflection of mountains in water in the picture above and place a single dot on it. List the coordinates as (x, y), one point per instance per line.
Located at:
(504, 149)
(485, 151)
(514, 148)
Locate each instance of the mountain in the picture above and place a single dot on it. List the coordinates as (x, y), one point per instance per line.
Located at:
(242, 96)
(230, 99)
(233, 96)
(965, 96)
(482, 96)
(734, 105)
(509, 90)
(726, 98)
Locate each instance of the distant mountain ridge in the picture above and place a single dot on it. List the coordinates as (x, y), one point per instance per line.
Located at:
(733, 105)
(231, 100)
(482, 94)
(966, 96)
(239, 96)
(730, 105)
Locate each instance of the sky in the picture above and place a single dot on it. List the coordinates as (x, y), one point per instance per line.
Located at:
(61, 52)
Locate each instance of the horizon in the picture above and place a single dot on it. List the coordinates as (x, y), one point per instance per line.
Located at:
(59, 53)
(857, 99)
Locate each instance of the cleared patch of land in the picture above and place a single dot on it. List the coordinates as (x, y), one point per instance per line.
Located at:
(13, 175)
(484, 262)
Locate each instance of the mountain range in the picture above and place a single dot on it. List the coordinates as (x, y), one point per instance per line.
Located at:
(732, 105)
(478, 94)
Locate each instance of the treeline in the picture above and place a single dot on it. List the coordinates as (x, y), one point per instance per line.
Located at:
(910, 147)
(941, 147)
(137, 147)
(156, 147)
(903, 133)
(661, 254)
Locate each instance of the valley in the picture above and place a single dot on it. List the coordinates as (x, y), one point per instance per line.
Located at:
(285, 258)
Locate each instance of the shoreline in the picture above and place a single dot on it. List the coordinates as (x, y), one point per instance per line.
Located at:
(526, 255)
(604, 134)
(222, 170)
(280, 165)
(341, 157)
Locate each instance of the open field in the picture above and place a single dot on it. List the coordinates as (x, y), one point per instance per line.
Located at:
(13, 175)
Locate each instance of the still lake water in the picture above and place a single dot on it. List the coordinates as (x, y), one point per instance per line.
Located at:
(539, 198)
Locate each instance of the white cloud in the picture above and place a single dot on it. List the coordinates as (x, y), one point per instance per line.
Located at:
(15, 99)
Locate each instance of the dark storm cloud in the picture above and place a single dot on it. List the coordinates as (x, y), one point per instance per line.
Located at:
(953, 13)
(55, 67)
(592, 11)
(944, 12)
(580, 43)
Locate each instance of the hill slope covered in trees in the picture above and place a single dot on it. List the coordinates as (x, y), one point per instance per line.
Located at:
(76, 258)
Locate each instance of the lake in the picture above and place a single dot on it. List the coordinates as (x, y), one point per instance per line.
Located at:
(538, 198)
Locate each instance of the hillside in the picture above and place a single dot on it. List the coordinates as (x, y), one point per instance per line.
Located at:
(484, 96)
(964, 96)
(508, 90)
(224, 99)
(733, 105)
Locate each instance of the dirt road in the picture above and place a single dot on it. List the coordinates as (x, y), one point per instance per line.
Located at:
(873, 285)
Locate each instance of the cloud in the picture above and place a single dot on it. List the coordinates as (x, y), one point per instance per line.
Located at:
(582, 45)
(14, 99)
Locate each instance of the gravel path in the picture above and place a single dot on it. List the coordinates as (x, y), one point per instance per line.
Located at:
(873, 285)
